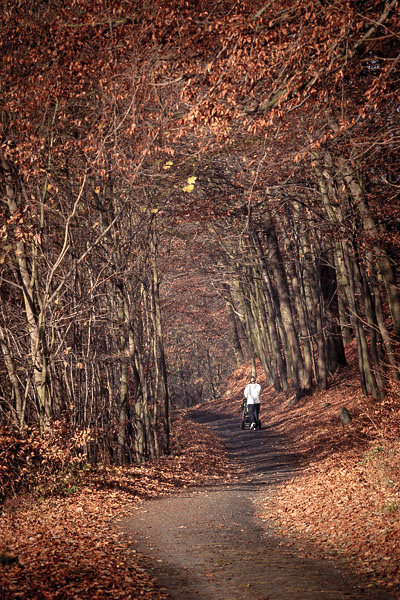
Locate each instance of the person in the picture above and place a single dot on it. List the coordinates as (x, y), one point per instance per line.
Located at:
(252, 393)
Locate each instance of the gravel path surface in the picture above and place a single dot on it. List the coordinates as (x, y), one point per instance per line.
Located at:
(208, 543)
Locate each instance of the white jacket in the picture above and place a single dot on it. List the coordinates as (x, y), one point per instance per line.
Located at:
(252, 393)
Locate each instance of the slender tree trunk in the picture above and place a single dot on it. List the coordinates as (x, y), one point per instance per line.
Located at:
(374, 335)
(307, 378)
(279, 276)
(160, 339)
(349, 174)
(248, 323)
(266, 351)
(237, 348)
(35, 321)
(275, 326)
(210, 375)
(329, 291)
(389, 349)
(368, 381)
(18, 407)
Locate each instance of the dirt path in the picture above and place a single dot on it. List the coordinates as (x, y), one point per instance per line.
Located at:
(208, 543)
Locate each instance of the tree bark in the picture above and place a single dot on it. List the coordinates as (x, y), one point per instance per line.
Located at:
(18, 407)
(349, 172)
(158, 332)
(275, 260)
(35, 318)
(233, 328)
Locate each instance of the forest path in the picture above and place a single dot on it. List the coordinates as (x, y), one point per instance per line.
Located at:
(207, 543)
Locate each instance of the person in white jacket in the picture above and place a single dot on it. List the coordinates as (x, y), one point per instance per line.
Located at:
(252, 393)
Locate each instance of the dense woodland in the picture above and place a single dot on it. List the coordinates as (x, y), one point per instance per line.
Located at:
(186, 185)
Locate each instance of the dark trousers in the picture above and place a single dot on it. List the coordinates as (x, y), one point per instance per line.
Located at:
(254, 412)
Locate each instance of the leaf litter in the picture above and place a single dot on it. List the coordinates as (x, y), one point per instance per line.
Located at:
(344, 499)
(72, 547)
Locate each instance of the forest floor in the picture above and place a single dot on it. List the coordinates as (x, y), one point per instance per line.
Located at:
(219, 542)
(343, 500)
(302, 509)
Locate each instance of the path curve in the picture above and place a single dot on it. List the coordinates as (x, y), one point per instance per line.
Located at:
(208, 543)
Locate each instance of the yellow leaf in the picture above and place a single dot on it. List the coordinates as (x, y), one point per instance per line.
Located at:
(168, 165)
(191, 180)
(188, 188)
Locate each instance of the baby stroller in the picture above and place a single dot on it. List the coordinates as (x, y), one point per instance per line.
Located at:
(246, 421)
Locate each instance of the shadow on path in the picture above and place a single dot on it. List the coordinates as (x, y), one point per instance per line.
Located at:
(263, 453)
(207, 543)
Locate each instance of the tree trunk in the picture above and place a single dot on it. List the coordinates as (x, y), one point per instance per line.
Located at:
(329, 290)
(158, 332)
(307, 377)
(18, 407)
(368, 381)
(234, 335)
(35, 320)
(349, 174)
(279, 276)
(248, 325)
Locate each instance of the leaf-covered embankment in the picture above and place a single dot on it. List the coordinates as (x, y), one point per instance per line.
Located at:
(71, 547)
(345, 498)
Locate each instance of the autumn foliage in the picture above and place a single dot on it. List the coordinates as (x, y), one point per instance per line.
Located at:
(47, 465)
(134, 132)
(187, 187)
